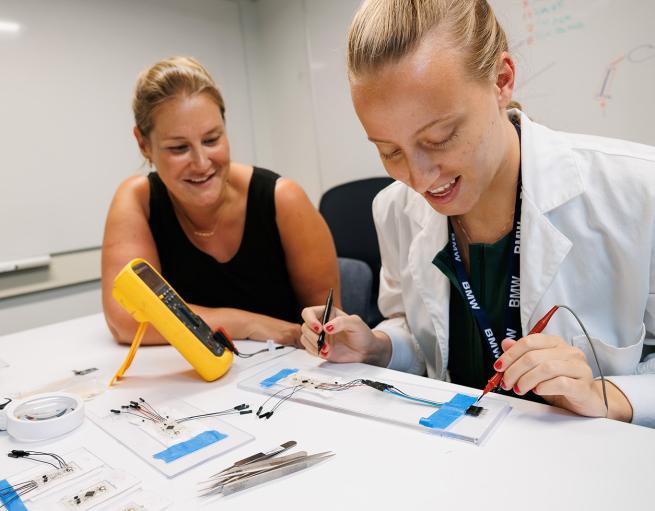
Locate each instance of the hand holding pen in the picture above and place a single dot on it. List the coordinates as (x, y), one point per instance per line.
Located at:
(351, 340)
(320, 342)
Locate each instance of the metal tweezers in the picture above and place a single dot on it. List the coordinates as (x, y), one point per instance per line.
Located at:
(260, 468)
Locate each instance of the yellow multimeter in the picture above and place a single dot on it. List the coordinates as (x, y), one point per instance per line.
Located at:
(145, 294)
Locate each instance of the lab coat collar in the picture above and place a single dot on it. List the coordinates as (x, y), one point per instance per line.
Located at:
(558, 179)
(550, 178)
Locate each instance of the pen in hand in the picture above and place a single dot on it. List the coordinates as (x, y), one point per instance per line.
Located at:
(326, 316)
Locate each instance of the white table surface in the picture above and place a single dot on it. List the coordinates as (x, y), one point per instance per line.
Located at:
(538, 458)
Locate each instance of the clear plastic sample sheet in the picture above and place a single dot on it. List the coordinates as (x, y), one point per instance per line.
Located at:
(169, 446)
(416, 408)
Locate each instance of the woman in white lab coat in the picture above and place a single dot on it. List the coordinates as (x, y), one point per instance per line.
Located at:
(431, 82)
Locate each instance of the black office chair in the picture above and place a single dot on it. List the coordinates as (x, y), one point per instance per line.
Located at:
(347, 211)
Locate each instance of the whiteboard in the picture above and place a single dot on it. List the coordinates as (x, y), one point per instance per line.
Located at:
(66, 84)
(584, 66)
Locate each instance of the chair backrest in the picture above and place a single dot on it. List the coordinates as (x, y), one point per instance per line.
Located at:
(356, 287)
(347, 211)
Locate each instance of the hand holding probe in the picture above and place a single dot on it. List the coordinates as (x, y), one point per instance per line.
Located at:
(320, 342)
(495, 380)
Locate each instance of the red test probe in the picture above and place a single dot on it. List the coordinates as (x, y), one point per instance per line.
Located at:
(494, 381)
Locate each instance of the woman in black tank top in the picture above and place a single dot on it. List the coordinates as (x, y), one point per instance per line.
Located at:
(244, 247)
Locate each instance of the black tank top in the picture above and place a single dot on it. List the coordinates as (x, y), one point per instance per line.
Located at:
(256, 279)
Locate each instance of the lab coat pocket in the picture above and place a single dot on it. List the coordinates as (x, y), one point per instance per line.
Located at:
(614, 360)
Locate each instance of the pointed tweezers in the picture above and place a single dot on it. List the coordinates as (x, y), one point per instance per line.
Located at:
(260, 456)
(254, 475)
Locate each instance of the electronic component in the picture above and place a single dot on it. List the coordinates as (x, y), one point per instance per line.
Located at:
(83, 498)
(151, 300)
(474, 411)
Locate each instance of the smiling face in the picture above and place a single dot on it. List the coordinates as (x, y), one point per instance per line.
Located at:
(438, 130)
(189, 148)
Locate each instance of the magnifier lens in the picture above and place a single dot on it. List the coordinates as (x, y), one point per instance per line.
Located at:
(44, 408)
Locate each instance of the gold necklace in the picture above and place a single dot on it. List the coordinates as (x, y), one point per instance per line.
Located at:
(466, 234)
(201, 234)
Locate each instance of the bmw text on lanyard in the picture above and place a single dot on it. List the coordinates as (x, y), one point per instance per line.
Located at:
(513, 302)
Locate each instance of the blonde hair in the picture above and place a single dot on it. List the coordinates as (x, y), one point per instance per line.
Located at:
(167, 79)
(383, 31)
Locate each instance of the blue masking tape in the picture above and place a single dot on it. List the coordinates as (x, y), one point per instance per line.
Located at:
(7, 494)
(449, 412)
(272, 380)
(183, 448)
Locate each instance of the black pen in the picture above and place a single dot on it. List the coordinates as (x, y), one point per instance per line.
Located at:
(326, 316)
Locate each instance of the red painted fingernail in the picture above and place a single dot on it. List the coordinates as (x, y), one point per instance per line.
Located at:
(329, 328)
(324, 350)
(498, 365)
(516, 389)
(502, 384)
(317, 328)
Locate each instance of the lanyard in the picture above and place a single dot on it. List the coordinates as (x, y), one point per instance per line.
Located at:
(513, 301)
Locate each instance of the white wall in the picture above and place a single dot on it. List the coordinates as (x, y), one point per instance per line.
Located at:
(51, 306)
(68, 76)
(304, 123)
(281, 94)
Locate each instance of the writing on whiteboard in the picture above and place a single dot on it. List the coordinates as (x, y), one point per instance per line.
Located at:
(637, 55)
(544, 19)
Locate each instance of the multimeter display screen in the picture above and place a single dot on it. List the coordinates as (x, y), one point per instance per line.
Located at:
(151, 279)
(175, 304)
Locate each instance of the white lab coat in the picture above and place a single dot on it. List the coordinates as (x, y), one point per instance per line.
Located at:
(587, 222)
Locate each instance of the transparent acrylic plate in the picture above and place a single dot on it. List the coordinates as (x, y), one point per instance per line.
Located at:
(145, 439)
(80, 462)
(140, 500)
(88, 493)
(368, 402)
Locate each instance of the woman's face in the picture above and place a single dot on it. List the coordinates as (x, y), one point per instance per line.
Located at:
(436, 129)
(189, 148)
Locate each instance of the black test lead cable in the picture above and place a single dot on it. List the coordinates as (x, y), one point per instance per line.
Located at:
(593, 351)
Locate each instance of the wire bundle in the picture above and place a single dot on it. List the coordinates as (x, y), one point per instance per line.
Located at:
(288, 392)
(10, 493)
(145, 411)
